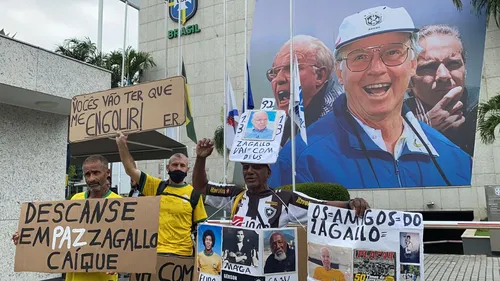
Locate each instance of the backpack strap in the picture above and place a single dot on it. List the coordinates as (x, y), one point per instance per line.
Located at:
(161, 187)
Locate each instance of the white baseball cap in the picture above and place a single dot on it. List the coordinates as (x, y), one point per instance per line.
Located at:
(373, 21)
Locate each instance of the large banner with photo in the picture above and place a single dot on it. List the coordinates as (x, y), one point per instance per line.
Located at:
(393, 111)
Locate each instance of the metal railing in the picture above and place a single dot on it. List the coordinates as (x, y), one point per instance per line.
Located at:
(433, 224)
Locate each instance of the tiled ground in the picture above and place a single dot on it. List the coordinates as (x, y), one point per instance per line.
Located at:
(461, 268)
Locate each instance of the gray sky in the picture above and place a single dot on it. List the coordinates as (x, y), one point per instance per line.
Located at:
(46, 23)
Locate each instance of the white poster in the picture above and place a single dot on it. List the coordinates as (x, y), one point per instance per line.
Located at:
(258, 136)
(267, 103)
(245, 254)
(382, 245)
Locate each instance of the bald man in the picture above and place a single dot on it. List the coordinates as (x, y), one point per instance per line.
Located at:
(259, 128)
(326, 272)
(317, 78)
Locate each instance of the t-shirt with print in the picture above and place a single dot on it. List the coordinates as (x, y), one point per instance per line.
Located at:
(91, 276)
(176, 215)
(268, 209)
(209, 263)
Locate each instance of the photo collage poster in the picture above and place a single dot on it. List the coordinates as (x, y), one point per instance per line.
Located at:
(382, 245)
(226, 253)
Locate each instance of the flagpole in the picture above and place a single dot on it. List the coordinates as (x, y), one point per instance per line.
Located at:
(179, 51)
(246, 74)
(225, 95)
(292, 97)
(99, 28)
(165, 16)
(124, 42)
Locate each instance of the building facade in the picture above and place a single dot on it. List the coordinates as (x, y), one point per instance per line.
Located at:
(204, 60)
(36, 87)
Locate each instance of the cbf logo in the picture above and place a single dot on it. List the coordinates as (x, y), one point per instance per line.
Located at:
(373, 19)
(187, 9)
(497, 191)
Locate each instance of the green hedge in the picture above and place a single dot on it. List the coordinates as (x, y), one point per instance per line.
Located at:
(322, 191)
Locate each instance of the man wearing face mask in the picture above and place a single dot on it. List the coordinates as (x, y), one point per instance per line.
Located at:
(181, 207)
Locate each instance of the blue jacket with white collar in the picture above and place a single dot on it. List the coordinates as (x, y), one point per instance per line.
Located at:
(335, 154)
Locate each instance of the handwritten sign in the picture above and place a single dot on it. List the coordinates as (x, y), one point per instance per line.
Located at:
(169, 268)
(364, 248)
(143, 107)
(95, 235)
(258, 137)
(267, 104)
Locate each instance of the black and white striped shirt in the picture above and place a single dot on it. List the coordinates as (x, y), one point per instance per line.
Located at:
(268, 209)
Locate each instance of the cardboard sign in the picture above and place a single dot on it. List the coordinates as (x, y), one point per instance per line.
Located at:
(258, 136)
(96, 235)
(168, 268)
(382, 245)
(226, 253)
(143, 107)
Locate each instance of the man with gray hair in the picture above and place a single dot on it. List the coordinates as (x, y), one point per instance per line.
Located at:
(437, 94)
(316, 68)
(370, 139)
(282, 258)
(181, 207)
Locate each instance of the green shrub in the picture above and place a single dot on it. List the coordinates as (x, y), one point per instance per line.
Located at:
(321, 191)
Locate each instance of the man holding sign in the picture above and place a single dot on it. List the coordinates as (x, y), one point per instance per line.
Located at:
(258, 206)
(181, 206)
(96, 172)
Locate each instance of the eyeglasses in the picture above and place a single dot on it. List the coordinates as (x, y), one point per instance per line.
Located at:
(274, 71)
(392, 54)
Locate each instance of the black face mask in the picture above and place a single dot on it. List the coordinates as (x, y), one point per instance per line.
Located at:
(177, 176)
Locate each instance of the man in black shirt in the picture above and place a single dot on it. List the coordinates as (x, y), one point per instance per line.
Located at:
(258, 206)
(282, 258)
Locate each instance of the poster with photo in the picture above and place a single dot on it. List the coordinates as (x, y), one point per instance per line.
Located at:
(280, 253)
(430, 58)
(209, 256)
(327, 262)
(241, 250)
(374, 265)
(246, 254)
(343, 246)
(257, 137)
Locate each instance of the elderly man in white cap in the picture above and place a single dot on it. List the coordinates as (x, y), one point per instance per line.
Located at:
(370, 140)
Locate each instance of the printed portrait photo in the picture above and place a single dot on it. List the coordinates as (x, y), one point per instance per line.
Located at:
(209, 256)
(437, 68)
(240, 246)
(326, 263)
(374, 265)
(280, 251)
(409, 272)
(261, 125)
(409, 247)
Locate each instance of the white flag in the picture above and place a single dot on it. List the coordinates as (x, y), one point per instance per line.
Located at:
(231, 114)
(298, 106)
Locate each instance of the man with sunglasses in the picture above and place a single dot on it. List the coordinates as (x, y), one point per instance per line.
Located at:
(316, 70)
(370, 140)
(258, 206)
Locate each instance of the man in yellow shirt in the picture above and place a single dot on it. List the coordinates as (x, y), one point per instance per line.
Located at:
(96, 172)
(326, 272)
(181, 207)
(208, 261)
